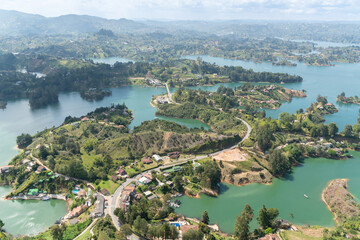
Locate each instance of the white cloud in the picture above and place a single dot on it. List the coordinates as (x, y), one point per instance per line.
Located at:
(192, 9)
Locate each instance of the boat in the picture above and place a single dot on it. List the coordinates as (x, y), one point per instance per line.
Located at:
(45, 198)
(306, 196)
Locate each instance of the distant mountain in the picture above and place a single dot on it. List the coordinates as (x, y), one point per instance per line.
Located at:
(18, 23)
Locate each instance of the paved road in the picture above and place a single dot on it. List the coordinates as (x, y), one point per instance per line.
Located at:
(169, 93)
(86, 229)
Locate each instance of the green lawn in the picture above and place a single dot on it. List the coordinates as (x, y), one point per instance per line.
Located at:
(291, 235)
(109, 185)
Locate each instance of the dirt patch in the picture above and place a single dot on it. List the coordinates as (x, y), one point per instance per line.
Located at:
(311, 232)
(339, 200)
(232, 155)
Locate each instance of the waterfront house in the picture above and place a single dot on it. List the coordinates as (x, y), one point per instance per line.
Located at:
(5, 169)
(77, 211)
(33, 192)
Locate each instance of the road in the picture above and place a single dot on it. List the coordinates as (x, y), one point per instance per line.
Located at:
(86, 229)
(169, 93)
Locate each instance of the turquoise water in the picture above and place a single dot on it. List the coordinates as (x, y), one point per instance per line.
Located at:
(327, 81)
(285, 194)
(18, 118)
(29, 217)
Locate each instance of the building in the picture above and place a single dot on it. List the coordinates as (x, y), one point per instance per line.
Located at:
(77, 211)
(147, 193)
(174, 155)
(114, 178)
(5, 169)
(33, 192)
(99, 207)
(105, 192)
(81, 193)
(144, 180)
(40, 169)
(146, 160)
(121, 172)
(157, 157)
(148, 176)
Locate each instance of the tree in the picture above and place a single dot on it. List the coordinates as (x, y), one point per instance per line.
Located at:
(43, 153)
(126, 229)
(264, 135)
(140, 225)
(193, 235)
(2, 224)
(333, 129)
(24, 140)
(242, 228)
(279, 163)
(57, 232)
(321, 99)
(348, 131)
(267, 217)
(205, 217)
(178, 183)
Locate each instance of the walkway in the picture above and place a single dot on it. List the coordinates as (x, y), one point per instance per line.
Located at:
(86, 229)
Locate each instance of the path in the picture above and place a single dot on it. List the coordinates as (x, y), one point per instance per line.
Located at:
(169, 93)
(86, 229)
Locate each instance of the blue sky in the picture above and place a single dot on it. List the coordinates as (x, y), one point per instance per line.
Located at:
(194, 9)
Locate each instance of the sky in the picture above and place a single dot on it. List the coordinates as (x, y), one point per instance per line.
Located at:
(193, 9)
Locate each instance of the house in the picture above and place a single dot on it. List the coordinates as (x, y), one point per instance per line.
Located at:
(186, 228)
(40, 169)
(121, 172)
(85, 119)
(5, 169)
(174, 155)
(77, 211)
(105, 192)
(99, 207)
(170, 183)
(152, 197)
(148, 176)
(146, 160)
(33, 192)
(144, 180)
(81, 193)
(157, 157)
(283, 224)
(147, 193)
(129, 190)
(114, 178)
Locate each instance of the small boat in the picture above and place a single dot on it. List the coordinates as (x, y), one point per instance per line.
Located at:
(306, 196)
(45, 198)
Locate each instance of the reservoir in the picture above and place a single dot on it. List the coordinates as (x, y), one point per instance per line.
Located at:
(285, 194)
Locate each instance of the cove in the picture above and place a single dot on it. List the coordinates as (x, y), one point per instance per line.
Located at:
(30, 216)
(285, 194)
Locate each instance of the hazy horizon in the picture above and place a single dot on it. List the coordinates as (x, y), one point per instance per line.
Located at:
(161, 10)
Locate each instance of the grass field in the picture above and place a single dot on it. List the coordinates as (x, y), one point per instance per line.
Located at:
(291, 235)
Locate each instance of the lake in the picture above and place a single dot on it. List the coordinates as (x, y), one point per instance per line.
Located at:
(285, 194)
(18, 118)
